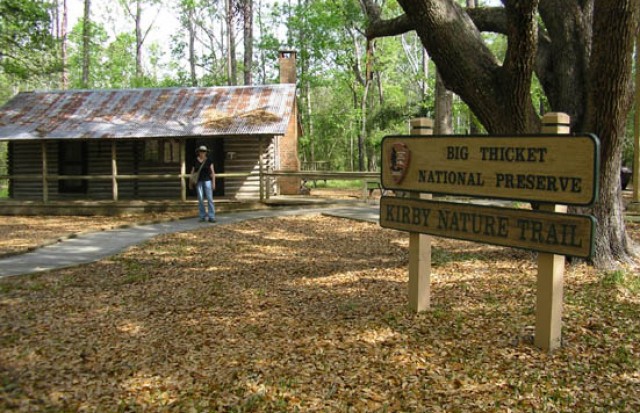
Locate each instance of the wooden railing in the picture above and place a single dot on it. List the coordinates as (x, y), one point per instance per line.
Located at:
(306, 176)
(107, 177)
(114, 178)
(368, 178)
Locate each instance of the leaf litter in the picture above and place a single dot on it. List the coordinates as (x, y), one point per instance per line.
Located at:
(310, 314)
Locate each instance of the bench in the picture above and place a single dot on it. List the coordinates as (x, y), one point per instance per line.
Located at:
(305, 189)
(371, 186)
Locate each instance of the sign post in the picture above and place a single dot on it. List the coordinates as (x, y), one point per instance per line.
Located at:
(550, 171)
(548, 332)
(420, 244)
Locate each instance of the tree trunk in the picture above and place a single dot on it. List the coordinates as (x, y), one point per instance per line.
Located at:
(424, 88)
(55, 19)
(86, 38)
(232, 67)
(139, 39)
(444, 108)
(610, 75)
(562, 66)
(473, 129)
(263, 63)
(362, 137)
(248, 41)
(191, 28)
(63, 45)
(372, 163)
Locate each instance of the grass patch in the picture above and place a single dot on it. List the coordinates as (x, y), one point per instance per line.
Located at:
(622, 279)
(8, 288)
(135, 272)
(342, 184)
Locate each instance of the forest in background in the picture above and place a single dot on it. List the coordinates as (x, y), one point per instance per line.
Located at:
(351, 91)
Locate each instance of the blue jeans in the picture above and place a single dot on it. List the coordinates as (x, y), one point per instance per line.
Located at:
(204, 189)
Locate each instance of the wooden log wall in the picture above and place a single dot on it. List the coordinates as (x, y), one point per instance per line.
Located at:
(99, 163)
(26, 159)
(247, 161)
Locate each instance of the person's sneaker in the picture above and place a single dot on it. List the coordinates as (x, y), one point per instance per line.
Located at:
(212, 220)
(202, 220)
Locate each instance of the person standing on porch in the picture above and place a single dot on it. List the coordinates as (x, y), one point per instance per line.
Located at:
(206, 184)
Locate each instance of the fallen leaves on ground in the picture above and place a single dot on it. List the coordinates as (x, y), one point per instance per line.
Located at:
(310, 314)
(19, 234)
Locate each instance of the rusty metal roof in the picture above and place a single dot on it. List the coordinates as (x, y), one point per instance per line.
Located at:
(145, 113)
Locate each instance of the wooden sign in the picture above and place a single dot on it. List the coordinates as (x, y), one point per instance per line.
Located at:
(542, 168)
(564, 234)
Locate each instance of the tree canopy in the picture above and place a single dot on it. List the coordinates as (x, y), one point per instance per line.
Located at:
(27, 46)
(580, 50)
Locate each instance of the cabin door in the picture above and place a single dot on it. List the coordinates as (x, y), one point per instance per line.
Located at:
(72, 161)
(216, 153)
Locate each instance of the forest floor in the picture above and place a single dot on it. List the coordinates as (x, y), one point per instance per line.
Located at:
(310, 314)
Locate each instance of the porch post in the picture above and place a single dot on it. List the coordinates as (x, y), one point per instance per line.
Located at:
(261, 167)
(114, 172)
(269, 168)
(183, 170)
(45, 167)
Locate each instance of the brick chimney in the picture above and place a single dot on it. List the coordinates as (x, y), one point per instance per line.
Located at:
(288, 144)
(287, 60)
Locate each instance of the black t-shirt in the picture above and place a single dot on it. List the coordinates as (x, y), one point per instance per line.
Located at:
(205, 172)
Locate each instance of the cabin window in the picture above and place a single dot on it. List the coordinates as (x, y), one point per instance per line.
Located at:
(165, 151)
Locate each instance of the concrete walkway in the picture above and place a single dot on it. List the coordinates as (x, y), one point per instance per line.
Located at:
(94, 246)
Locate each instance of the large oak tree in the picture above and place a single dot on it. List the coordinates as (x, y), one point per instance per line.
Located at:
(580, 50)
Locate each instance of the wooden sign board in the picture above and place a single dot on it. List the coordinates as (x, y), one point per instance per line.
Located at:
(564, 234)
(541, 168)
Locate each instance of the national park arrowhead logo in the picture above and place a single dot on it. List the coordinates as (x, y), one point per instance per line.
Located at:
(399, 160)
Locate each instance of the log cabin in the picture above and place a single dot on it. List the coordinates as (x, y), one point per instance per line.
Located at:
(139, 144)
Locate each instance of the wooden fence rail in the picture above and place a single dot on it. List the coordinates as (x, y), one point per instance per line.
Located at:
(368, 178)
(305, 176)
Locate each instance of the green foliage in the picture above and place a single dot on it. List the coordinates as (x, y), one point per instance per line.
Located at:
(335, 184)
(96, 54)
(29, 57)
(120, 64)
(112, 61)
(628, 145)
(26, 45)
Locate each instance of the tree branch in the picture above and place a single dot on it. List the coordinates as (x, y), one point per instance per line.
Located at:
(385, 28)
(519, 62)
(522, 31)
(127, 9)
(357, 64)
(489, 19)
(146, 33)
(377, 27)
